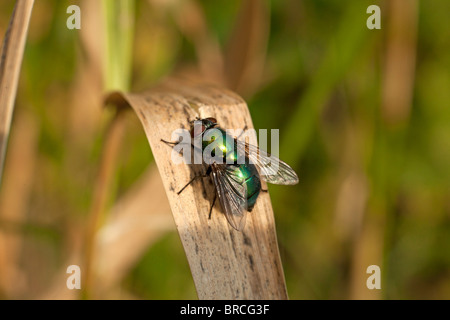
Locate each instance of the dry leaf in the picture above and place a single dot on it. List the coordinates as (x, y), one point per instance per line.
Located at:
(10, 64)
(225, 263)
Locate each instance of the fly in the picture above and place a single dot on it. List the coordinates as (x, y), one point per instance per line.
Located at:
(237, 184)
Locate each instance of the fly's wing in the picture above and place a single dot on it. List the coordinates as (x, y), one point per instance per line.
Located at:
(271, 169)
(232, 196)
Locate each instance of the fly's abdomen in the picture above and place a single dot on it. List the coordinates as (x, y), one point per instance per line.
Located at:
(253, 185)
(248, 175)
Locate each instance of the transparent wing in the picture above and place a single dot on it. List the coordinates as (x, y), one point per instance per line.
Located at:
(271, 169)
(232, 196)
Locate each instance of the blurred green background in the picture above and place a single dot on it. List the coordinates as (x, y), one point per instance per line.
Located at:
(364, 118)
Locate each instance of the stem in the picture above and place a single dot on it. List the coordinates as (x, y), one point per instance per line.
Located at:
(10, 65)
(108, 163)
(118, 18)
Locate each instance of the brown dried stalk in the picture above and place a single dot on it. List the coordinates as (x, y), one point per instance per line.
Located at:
(107, 167)
(225, 263)
(10, 63)
(400, 61)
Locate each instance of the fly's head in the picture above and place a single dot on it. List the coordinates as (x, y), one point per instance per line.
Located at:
(199, 126)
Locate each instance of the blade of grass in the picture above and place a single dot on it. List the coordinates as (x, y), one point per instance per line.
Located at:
(102, 191)
(225, 263)
(118, 23)
(399, 69)
(118, 17)
(10, 64)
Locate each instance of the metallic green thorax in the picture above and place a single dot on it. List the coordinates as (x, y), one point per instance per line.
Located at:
(241, 173)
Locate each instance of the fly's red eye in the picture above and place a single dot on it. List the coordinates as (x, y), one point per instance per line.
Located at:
(213, 120)
(196, 132)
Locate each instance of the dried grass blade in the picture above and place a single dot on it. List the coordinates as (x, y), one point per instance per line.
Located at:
(225, 263)
(10, 64)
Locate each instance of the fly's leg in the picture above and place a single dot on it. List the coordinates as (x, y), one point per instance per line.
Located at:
(208, 171)
(192, 180)
(169, 142)
(212, 206)
(264, 190)
(173, 144)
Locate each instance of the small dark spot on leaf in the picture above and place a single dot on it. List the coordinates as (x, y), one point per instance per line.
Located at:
(250, 259)
(247, 240)
(201, 266)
